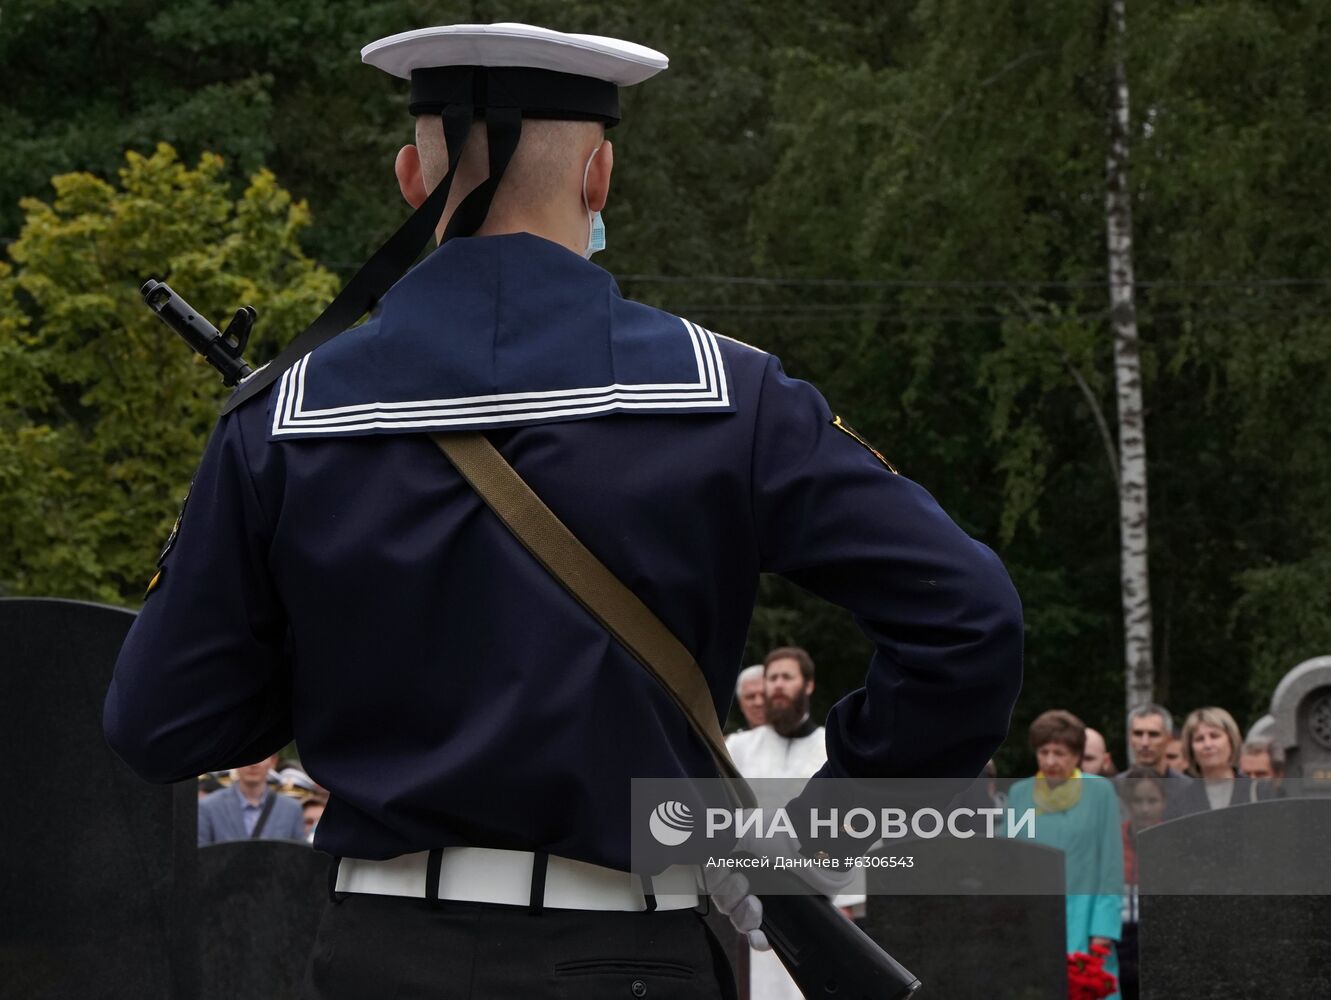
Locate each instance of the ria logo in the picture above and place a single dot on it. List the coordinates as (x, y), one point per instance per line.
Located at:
(671, 823)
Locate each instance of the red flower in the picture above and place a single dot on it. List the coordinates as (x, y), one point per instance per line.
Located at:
(1087, 978)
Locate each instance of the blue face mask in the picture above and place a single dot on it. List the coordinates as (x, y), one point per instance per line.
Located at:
(595, 227)
(596, 241)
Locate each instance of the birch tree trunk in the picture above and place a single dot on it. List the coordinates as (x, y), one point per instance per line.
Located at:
(1139, 667)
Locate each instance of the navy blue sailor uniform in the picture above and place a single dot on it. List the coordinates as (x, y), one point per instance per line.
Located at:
(335, 581)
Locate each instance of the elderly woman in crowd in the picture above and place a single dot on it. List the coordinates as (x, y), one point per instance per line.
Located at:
(1079, 815)
(1211, 742)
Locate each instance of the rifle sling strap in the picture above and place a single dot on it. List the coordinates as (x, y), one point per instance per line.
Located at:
(597, 589)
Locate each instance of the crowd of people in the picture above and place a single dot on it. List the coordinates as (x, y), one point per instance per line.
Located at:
(1086, 806)
(1094, 813)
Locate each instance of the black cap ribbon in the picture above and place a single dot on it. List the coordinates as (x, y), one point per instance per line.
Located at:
(502, 97)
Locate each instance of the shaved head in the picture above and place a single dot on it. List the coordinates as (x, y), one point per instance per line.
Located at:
(545, 172)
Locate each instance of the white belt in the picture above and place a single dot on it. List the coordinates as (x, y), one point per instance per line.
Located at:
(488, 875)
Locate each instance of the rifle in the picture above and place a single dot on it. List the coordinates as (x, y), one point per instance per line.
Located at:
(824, 953)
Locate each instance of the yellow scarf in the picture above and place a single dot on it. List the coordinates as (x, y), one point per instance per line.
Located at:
(1058, 799)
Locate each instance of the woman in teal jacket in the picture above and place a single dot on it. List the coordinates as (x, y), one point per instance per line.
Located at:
(1079, 815)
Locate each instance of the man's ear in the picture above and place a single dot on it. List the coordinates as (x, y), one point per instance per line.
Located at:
(808, 687)
(410, 177)
(598, 177)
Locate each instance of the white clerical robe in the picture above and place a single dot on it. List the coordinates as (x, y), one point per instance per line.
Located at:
(764, 753)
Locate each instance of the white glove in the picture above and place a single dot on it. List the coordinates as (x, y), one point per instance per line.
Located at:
(730, 892)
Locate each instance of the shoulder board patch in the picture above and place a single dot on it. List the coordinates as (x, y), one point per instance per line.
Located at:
(740, 342)
(153, 583)
(844, 427)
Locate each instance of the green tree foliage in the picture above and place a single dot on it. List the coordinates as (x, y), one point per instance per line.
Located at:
(274, 83)
(102, 414)
(1235, 146)
(963, 184)
(958, 183)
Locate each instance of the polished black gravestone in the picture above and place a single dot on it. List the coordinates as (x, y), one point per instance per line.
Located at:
(1234, 903)
(97, 869)
(951, 918)
(259, 907)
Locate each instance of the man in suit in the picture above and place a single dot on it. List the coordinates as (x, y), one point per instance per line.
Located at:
(249, 810)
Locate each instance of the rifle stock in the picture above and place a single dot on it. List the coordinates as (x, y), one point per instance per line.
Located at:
(827, 955)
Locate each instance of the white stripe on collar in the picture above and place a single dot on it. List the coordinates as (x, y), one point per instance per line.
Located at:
(710, 391)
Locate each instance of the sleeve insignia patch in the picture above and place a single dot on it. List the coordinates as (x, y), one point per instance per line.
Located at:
(175, 528)
(170, 544)
(845, 428)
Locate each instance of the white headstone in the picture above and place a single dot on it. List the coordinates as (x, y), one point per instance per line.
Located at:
(1301, 708)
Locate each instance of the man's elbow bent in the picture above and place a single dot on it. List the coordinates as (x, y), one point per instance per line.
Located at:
(1000, 622)
(136, 746)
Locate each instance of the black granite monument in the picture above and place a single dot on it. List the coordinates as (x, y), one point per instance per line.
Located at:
(1235, 902)
(105, 892)
(97, 873)
(259, 907)
(941, 919)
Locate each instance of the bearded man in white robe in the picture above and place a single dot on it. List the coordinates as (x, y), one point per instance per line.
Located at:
(790, 745)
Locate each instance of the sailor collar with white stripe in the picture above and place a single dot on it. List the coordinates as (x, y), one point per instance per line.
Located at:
(500, 331)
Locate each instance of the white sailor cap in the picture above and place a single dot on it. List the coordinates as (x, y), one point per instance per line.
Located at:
(294, 777)
(544, 73)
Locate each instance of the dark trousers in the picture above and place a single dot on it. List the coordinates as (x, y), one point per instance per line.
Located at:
(1129, 987)
(391, 948)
